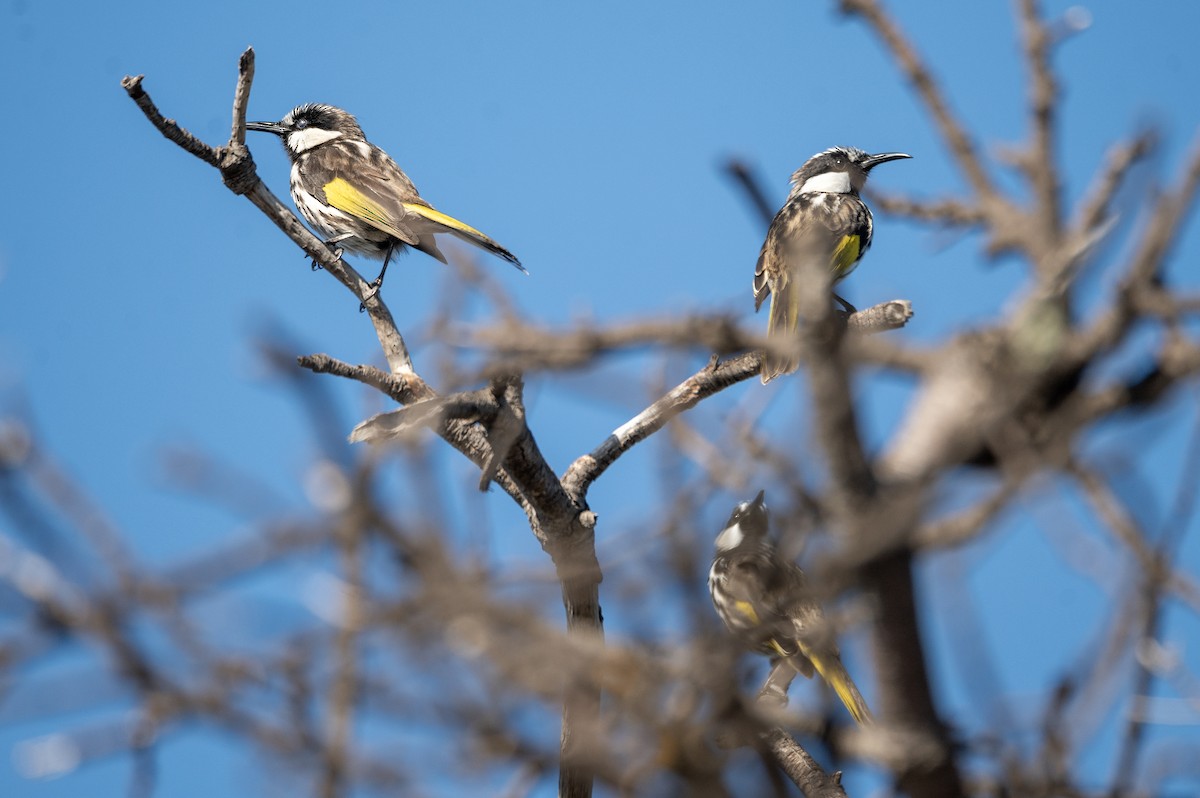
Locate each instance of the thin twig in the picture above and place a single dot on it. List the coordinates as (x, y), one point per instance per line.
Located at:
(704, 383)
(1041, 162)
(518, 347)
(1096, 204)
(913, 67)
(739, 171)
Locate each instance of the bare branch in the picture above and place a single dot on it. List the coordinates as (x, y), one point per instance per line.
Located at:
(1017, 397)
(739, 171)
(967, 525)
(801, 768)
(517, 347)
(1142, 275)
(911, 65)
(835, 424)
(403, 388)
(1166, 224)
(168, 127)
(1041, 163)
(1096, 206)
(949, 212)
(241, 96)
(712, 379)
(238, 172)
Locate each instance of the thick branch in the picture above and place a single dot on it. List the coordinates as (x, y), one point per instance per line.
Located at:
(801, 768)
(835, 424)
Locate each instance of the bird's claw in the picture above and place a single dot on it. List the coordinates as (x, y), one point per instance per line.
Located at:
(337, 256)
(372, 292)
(849, 309)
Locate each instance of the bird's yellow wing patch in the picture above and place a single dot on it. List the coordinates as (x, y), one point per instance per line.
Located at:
(442, 219)
(845, 256)
(773, 643)
(747, 611)
(466, 232)
(342, 195)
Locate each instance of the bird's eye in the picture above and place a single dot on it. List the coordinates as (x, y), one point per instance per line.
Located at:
(301, 124)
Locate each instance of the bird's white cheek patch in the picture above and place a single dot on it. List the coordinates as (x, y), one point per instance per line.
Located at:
(301, 140)
(730, 538)
(831, 182)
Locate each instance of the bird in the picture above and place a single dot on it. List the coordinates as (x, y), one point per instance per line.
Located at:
(823, 219)
(355, 195)
(763, 600)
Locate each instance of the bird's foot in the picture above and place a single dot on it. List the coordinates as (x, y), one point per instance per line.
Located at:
(849, 309)
(337, 256)
(372, 292)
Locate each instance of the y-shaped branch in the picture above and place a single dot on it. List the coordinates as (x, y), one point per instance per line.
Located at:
(238, 172)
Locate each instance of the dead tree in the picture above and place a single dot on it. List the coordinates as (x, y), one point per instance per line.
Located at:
(1012, 398)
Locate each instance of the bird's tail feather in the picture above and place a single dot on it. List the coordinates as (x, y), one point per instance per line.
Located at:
(835, 675)
(465, 232)
(482, 241)
(782, 323)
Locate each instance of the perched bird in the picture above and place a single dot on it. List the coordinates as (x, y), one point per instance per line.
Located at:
(356, 196)
(824, 220)
(762, 599)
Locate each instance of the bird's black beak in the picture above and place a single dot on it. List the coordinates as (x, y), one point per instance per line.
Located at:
(872, 161)
(756, 513)
(268, 127)
(755, 518)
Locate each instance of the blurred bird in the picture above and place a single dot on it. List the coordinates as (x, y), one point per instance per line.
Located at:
(824, 220)
(763, 600)
(356, 196)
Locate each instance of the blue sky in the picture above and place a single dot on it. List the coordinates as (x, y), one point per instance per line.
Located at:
(588, 141)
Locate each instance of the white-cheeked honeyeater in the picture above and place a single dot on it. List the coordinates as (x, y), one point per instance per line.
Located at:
(824, 221)
(764, 601)
(356, 196)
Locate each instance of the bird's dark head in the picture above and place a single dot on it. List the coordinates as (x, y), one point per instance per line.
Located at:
(311, 125)
(839, 170)
(749, 521)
